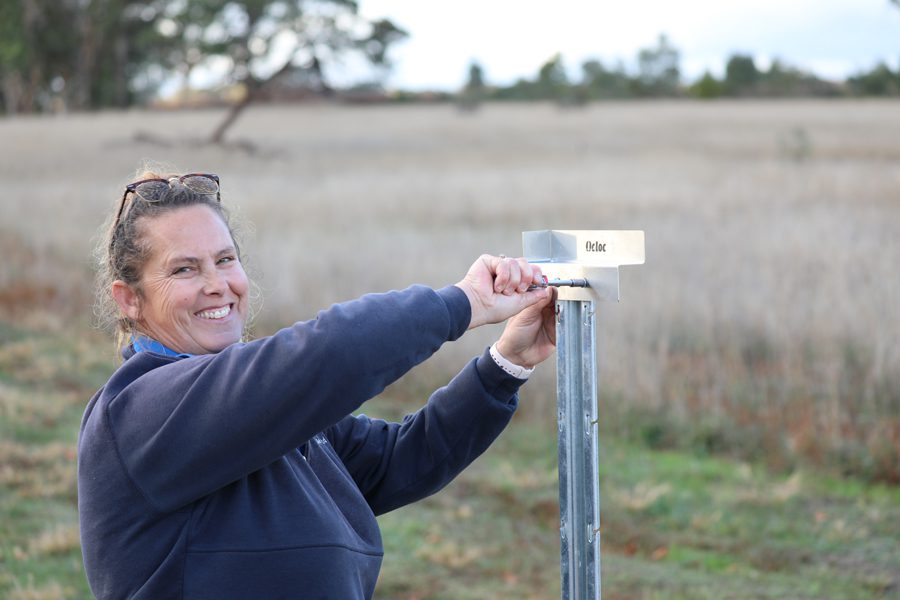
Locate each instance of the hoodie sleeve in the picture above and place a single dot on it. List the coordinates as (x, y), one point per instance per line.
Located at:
(395, 464)
(187, 427)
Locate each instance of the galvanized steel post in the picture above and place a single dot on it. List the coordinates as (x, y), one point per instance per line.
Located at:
(579, 476)
(596, 257)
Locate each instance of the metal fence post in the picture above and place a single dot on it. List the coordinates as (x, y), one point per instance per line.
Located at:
(594, 256)
(579, 478)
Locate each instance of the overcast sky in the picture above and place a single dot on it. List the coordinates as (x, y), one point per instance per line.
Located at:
(512, 38)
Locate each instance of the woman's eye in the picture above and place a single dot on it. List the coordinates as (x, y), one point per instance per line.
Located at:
(181, 270)
(226, 259)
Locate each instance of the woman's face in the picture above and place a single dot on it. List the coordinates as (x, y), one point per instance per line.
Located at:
(194, 288)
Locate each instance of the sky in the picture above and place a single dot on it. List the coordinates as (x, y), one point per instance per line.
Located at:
(512, 39)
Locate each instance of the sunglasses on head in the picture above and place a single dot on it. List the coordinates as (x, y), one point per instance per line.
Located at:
(152, 190)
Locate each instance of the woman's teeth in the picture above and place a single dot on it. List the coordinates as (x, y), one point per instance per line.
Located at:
(218, 313)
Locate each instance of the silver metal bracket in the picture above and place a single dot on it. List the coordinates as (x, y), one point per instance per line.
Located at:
(592, 255)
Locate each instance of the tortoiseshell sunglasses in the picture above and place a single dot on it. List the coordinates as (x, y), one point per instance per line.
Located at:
(152, 190)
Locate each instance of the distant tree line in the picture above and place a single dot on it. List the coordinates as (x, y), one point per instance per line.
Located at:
(658, 75)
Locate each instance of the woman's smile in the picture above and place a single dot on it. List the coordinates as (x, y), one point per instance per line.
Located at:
(214, 314)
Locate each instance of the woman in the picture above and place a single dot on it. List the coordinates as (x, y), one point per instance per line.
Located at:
(215, 468)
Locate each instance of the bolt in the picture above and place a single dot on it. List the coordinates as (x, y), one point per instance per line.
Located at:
(560, 283)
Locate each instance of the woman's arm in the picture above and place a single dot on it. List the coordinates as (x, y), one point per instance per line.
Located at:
(398, 463)
(184, 428)
(395, 464)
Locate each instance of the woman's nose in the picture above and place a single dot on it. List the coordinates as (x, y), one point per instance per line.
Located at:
(214, 283)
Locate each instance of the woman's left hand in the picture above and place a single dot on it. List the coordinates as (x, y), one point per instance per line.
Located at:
(530, 336)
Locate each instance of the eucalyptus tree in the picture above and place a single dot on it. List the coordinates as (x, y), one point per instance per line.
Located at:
(253, 43)
(74, 54)
(658, 69)
(36, 47)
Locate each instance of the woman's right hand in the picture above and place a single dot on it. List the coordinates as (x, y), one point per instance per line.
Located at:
(497, 288)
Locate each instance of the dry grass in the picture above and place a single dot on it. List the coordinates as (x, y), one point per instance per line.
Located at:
(58, 539)
(51, 591)
(766, 312)
(38, 471)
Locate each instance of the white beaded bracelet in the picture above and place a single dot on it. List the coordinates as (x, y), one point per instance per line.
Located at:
(515, 370)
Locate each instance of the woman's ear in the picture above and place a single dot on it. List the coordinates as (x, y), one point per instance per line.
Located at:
(128, 299)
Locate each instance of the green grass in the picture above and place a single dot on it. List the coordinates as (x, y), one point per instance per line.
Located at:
(45, 381)
(675, 523)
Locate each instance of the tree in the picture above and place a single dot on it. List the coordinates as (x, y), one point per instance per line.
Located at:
(552, 80)
(36, 44)
(880, 81)
(551, 83)
(78, 54)
(117, 42)
(741, 75)
(92, 53)
(13, 55)
(602, 83)
(476, 77)
(707, 87)
(474, 91)
(263, 41)
(782, 80)
(552, 74)
(658, 70)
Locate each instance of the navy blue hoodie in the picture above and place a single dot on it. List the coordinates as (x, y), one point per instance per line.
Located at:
(242, 474)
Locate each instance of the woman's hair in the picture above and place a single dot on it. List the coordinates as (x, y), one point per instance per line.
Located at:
(121, 253)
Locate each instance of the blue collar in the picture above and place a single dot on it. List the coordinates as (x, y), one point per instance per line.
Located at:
(142, 343)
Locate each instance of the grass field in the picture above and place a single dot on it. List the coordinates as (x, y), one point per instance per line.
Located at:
(750, 379)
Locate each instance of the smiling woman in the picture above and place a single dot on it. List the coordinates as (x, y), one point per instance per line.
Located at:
(210, 467)
(130, 248)
(193, 295)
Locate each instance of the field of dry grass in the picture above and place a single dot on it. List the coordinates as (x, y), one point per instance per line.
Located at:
(764, 322)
